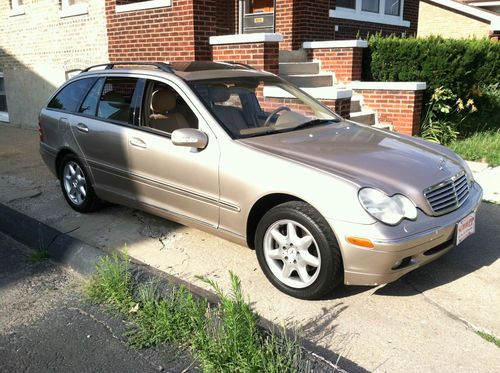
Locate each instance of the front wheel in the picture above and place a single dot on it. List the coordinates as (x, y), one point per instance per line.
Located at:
(298, 252)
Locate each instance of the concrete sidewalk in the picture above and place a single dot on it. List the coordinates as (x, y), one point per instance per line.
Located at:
(489, 179)
(424, 322)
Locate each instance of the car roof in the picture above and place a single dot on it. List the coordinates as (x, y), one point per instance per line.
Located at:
(190, 70)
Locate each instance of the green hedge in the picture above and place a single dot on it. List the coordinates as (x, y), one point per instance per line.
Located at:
(456, 64)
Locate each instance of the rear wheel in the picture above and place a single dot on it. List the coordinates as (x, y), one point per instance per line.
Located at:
(298, 252)
(75, 185)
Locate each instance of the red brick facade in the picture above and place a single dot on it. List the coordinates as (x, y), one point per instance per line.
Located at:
(264, 56)
(344, 62)
(303, 20)
(402, 109)
(176, 33)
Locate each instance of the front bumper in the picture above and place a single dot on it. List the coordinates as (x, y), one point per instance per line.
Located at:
(414, 243)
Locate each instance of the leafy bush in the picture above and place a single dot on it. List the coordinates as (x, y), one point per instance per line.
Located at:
(458, 64)
(444, 116)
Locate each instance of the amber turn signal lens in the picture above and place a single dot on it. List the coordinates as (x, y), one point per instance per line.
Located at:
(364, 242)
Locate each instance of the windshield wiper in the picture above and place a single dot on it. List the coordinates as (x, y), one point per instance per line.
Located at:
(315, 122)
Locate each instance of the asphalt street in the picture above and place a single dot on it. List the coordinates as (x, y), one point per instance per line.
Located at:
(45, 326)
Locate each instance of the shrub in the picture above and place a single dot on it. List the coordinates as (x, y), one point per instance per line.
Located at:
(445, 115)
(458, 64)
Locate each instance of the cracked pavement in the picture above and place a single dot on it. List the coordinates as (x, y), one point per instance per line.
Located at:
(46, 327)
(426, 321)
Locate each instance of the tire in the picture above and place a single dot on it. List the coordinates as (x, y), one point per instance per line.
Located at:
(73, 176)
(305, 265)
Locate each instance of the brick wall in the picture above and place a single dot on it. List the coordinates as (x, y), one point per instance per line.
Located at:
(264, 56)
(346, 63)
(42, 37)
(402, 109)
(432, 17)
(227, 17)
(176, 33)
(303, 20)
(349, 29)
(39, 47)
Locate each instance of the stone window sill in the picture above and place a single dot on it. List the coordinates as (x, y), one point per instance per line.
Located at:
(74, 10)
(19, 11)
(142, 5)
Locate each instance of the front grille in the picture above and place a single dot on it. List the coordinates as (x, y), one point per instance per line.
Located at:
(448, 195)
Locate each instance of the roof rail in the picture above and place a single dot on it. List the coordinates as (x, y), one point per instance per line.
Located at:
(246, 66)
(108, 66)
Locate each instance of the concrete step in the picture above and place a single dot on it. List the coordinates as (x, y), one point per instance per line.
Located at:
(364, 117)
(310, 80)
(299, 68)
(355, 105)
(299, 55)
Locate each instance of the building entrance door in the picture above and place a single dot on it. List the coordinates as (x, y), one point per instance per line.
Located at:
(258, 16)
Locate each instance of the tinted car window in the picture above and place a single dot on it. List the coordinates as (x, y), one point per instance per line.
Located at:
(89, 105)
(116, 99)
(70, 96)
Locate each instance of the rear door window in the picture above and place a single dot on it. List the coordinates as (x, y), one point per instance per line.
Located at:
(116, 100)
(70, 96)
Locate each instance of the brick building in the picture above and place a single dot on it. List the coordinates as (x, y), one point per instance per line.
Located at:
(313, 43)
(459, 19)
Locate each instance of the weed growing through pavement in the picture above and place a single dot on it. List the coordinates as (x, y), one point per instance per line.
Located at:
(490, 338)
(225, 337)
(38, 256)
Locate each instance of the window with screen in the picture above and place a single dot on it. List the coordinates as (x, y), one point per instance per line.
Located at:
(70, 96)
(393, 7)
(116, 100)
(370, 6)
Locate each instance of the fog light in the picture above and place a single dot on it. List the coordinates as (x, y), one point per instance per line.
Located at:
(397, 264)
(359, 241)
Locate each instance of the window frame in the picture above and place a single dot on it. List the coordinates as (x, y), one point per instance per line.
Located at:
(72, 10)
(357, 14)
(16, 8)
(4, 115)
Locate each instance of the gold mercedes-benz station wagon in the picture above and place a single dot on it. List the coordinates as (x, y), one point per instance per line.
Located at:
(321, 199)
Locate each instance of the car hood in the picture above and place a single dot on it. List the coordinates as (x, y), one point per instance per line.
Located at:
(369, 157)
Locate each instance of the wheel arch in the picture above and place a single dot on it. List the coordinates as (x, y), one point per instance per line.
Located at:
(59, 157)
(260, 207)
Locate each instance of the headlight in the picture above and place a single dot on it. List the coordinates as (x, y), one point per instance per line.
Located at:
(389, 210)
(468, 171)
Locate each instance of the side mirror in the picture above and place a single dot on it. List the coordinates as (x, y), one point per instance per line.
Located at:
(190, 137)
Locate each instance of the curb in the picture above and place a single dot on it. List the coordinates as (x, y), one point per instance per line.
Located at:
(79, 256)
(36, 235)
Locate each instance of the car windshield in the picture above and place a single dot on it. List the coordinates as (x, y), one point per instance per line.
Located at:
(256, 106)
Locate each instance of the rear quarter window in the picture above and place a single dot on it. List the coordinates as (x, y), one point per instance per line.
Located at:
(70, 96)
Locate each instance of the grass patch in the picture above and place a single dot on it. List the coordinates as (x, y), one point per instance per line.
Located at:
(225, 337)
(481, 146)
(38, 256)
(489, 338)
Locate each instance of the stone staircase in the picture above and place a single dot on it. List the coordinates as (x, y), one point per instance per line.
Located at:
(295, 68)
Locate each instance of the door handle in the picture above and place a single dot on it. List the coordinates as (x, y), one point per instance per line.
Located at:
(138, 143)
(82, 128)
